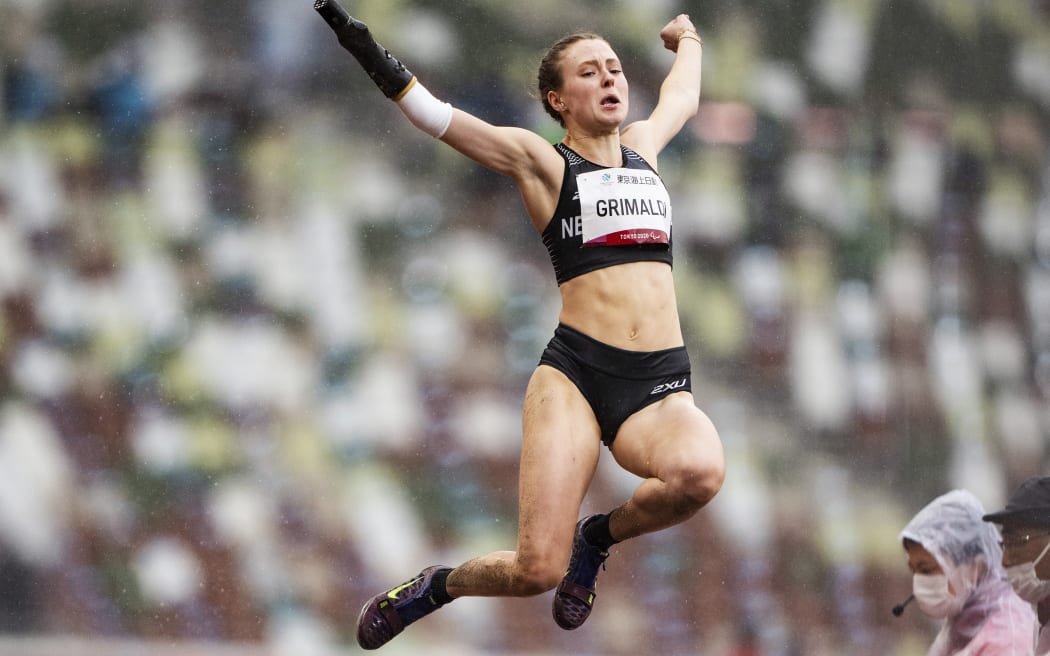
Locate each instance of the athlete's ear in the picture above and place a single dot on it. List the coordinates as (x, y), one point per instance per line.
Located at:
(555, 101)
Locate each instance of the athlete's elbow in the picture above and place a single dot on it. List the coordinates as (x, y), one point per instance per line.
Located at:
(686, 102)
(691, 103)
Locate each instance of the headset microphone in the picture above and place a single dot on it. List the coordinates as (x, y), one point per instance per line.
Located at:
(898, 610)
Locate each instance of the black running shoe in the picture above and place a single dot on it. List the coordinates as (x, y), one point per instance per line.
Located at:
(388, 613)
(575, 595)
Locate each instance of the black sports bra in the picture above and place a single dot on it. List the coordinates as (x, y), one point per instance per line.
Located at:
(624, 214)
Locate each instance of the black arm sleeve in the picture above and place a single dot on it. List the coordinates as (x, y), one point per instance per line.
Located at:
(390, 75)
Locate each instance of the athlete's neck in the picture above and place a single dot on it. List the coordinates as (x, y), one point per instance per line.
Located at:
(600, 149)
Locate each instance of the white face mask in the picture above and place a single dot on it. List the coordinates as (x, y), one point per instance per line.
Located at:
(932, 594)
(1026, 583)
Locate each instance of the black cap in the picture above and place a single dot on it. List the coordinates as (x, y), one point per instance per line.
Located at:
(1029, 505)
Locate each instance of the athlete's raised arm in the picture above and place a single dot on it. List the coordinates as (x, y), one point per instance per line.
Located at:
(679, 98)
(521, 154)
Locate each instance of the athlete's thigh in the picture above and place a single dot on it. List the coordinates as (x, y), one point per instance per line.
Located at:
(670, 433)
(560, 448)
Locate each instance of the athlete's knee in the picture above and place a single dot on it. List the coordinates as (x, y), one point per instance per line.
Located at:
(538, 577)
(537, 569)
(695, 482)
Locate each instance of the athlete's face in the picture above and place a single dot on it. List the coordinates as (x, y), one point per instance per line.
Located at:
(594, 90)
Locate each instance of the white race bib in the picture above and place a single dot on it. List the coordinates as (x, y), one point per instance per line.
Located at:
(621, 207)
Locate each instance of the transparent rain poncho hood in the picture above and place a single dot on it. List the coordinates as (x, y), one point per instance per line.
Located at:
(951, 529)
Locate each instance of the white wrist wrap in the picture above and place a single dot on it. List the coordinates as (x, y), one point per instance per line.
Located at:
(424, 110)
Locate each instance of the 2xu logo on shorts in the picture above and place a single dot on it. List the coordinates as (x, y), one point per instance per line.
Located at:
(669, 387)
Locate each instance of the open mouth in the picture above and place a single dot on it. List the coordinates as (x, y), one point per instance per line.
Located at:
(610, 101)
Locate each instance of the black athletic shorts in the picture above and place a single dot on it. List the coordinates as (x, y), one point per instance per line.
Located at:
(616, 382)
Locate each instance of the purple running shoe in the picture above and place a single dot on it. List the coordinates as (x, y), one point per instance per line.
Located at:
(388, 613)
(575, 595)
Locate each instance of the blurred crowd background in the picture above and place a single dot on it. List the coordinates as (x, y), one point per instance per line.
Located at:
(263, 345)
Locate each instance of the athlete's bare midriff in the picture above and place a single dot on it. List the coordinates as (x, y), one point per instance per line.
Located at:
(630, 306)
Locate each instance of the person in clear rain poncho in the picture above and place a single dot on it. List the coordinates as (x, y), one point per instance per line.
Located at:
(955, 559)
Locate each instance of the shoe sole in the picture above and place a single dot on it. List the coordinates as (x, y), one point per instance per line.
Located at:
(373, 627)
(572, 602)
